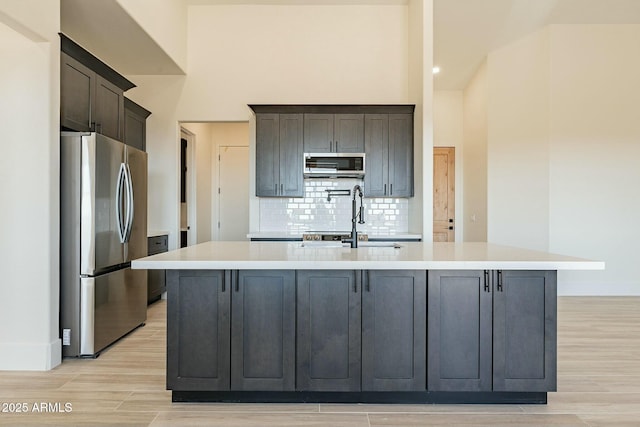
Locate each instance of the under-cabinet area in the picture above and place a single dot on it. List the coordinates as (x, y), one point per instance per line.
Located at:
(467, 336)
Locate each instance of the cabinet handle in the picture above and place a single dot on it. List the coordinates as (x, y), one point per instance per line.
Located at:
(500, 288)
(281, 189)
(385, 189)
(337, 151)
(224, 279)
(391, 189)
(366, 281)
(275, 191)
(355, 287)
(486, 281)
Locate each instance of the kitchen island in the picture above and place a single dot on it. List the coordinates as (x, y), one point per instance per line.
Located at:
(414, 322)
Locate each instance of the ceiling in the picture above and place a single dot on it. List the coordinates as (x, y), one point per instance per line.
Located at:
(464, 30)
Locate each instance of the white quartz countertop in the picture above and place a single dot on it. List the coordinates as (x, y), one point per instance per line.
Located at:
(285, 235)
(410, 255)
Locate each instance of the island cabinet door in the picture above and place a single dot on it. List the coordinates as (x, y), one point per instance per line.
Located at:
(394, 323)
(459, 331)
(263, 330)
(524, 335)
(198, 330)
(328, 330)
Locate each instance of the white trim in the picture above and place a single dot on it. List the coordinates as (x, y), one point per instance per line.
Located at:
(30, 356)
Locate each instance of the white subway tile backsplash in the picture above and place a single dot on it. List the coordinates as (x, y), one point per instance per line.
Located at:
(315, 212)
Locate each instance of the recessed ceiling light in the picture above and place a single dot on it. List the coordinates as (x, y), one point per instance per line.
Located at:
(436, 70)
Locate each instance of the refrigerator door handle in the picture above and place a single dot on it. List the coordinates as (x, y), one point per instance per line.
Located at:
(129, 203)
(119, 184)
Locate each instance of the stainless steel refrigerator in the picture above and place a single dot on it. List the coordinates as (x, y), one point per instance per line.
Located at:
(103, 226)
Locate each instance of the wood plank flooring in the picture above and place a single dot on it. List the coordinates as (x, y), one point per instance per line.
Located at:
(598, 385)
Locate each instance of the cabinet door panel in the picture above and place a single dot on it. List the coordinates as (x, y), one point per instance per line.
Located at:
(291, 160)
(400, 155)
(459, 331)
(318, 133)
(263, 331)
(77, 94)
(394, 331)
(376, 148)
(109, 109)
(328, 331)
(134, 130)
(198, 356)
(348, 133)
(267, 155)
(524, 348)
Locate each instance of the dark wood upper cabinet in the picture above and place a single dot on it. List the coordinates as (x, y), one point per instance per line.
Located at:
(91, 93)
(333, 133)
(279, 155)
(135, 125)
(388, 145)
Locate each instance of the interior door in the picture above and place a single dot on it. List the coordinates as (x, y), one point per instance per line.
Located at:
(444, 206)
(100, 241)
(233, 193)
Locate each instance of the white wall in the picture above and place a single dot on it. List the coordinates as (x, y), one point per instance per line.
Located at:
(165, 21)
(420, 93)
(29, 182)
(160, 94)
(474, 164)
(563, 150)
(223, 134)
(448, 119)
(594, 168)
(292, 54)
(244, 54)
(518, 143)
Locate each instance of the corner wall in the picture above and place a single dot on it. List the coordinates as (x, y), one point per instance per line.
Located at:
(518, 143)
(563, 149)
(595, 154)
(474, 163)
(29, 185)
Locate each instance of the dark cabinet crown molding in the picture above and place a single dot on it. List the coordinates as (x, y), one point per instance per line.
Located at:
(136, 108)
(81, 55)
(334, 108)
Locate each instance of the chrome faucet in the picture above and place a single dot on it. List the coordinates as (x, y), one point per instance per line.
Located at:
(359, 215)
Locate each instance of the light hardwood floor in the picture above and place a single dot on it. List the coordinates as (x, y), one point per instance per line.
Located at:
(598, 385)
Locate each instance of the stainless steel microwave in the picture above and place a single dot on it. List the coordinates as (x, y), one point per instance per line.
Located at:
(333, 165)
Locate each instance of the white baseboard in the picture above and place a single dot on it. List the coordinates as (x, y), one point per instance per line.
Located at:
(30, 356)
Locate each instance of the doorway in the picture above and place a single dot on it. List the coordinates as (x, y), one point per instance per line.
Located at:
(187, 186)
(233, 192)
(444, 194)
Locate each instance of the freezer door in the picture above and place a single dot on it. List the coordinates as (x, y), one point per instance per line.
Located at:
(111, 305)
(101, 225)
(136, 247)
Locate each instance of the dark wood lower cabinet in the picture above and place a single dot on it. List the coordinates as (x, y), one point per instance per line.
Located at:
(394, 330)
(492, 331)
(328, 330)
(198, 330)
(263, 330)
(459, 332)
(524, 330)
(345, 335)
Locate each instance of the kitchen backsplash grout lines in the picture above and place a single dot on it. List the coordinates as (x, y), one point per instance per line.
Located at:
(314, 212)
